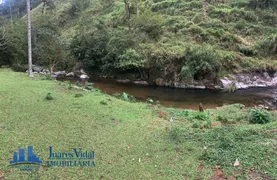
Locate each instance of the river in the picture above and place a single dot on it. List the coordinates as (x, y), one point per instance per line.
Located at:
(185, 98)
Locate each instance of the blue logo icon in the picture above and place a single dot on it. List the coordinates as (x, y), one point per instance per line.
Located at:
(19, 157)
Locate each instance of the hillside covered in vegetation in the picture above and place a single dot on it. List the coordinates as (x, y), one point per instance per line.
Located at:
(146, 39)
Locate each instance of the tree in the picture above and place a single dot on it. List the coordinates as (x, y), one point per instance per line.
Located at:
(204, 8)
(3, 47)
(149, 23)
(49, 48)
(13, 42)
(47, 3)
(30, 70)
(127, 9)
(3, 43)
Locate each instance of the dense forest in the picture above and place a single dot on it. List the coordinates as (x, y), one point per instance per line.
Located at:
(144, 39)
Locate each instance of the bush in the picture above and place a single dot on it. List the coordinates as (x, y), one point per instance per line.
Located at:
(198, 33)
(201, 116)
(88, 87)
(232, 114)
(130, 60)
(259, 116)
(204, 117)
(202, 61)
(268, 46)
(49, 96)
(78, 95)
(148, 22)
(19, 68)
(104, 102)
(195, 125)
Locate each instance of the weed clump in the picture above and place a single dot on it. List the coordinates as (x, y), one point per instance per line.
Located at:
(49, 96)
(201, 116)
(78, 95)
(195, 125)
(259, 116)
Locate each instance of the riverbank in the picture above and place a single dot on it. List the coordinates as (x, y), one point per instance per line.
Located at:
(130, 140)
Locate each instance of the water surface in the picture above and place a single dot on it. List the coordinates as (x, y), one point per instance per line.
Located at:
(185, 98)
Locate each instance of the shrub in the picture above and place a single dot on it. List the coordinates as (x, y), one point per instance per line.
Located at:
(104, 102)
(130, 60)
(247, 50)
(198, 33)
(78, 95)
(204, 117)
(178, 113)
(187, 72)
(201, 116)
(268, 46)
(259, 116)
(88, 87)
(204, 61)
(148, 22)
(49, 96)
(232, 114)
(19, 68)
(195, 125)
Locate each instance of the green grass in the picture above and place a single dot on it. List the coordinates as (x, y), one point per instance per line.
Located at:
(26, 118)
(166, 150)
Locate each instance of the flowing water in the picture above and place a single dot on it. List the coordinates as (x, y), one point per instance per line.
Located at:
(184, 98)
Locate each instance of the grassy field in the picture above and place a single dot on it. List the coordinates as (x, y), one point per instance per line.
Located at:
(130, 140)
